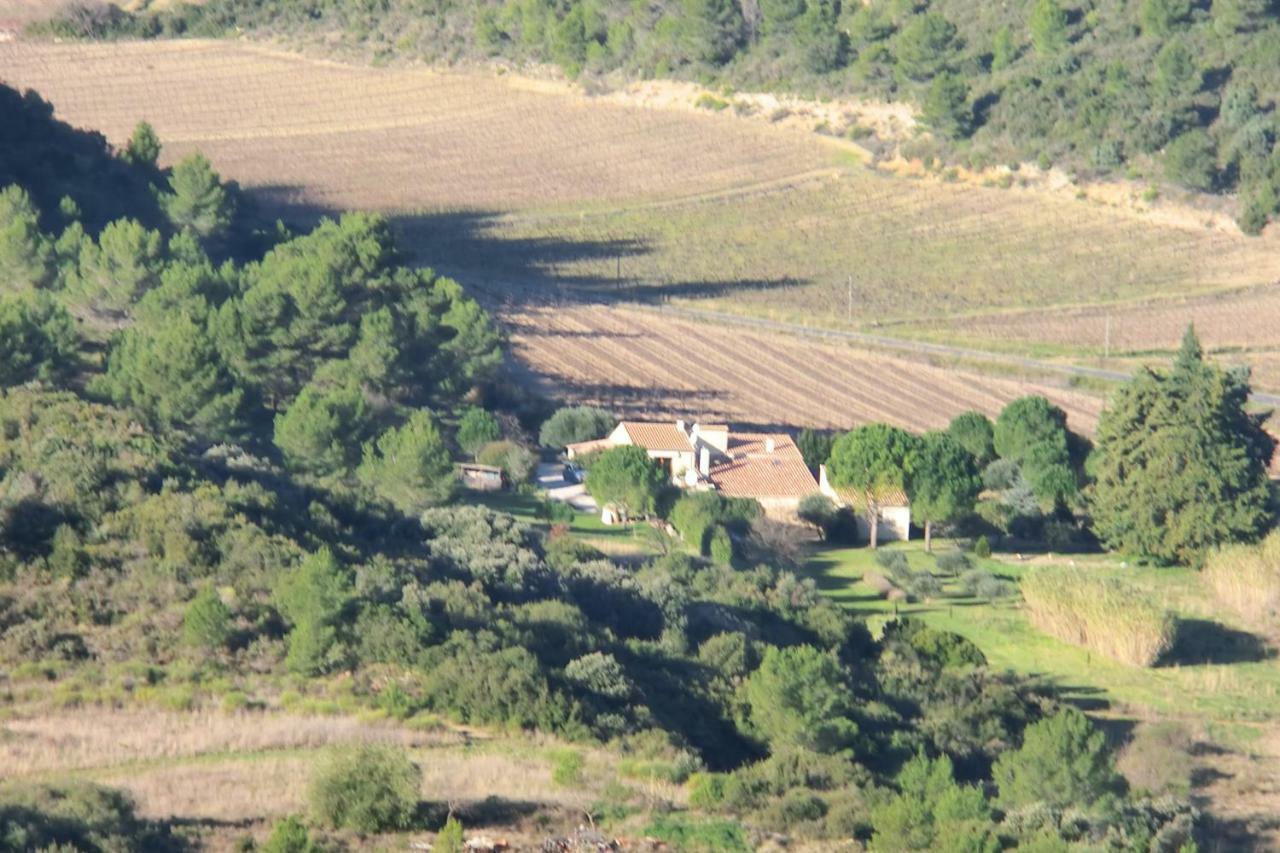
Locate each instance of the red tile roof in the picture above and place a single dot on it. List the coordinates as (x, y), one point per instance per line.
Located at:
(659, 436)
(751, 471)
(581, 448)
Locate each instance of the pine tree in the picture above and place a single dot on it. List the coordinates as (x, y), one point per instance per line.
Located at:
(409, 465)
(38, 340)
(323, 429)
(942, 481)
(114, 273)
(871, 459)
(207, 621)
(170, 372)
(946, 106)
(476, 429)
(197, 201)
(1063, 763)
(1180, 465)
(1032, 432)
(25, 255)
(312, 597)
(143, 148)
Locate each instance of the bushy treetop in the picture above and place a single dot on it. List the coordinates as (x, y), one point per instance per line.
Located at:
(1181, 464)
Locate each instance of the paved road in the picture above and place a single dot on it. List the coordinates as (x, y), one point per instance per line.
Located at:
(551, 480)
(910, 346)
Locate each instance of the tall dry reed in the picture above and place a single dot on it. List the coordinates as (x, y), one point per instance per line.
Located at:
(1102, 614)
(1246, 578)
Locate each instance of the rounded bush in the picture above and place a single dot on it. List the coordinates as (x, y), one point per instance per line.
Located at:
(367, 787)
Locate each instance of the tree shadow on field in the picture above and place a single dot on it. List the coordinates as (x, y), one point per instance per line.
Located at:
(1201, 641)
(513, 271)
(489, 812)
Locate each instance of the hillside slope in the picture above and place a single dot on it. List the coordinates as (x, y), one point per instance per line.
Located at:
(650, 203)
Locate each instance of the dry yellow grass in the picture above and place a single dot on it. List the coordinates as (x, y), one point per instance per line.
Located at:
(266, 786)
(244, 768)
(1246, 578)
(104, 737)
(1102, 614)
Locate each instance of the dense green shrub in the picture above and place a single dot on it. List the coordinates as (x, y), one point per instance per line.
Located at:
(699, 836)
(290, 836)
(720, 546)
(627, 477)
(566, 770)
(573, 424)
(697, 515)
(516, 461)
(1063, 761)
(367, 787)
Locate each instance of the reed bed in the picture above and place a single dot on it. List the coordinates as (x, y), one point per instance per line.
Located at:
(1246, 578)
(1102, 614)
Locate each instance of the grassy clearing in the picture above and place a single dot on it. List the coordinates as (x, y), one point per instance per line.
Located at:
(1216, 675)
(1103, 614)
(909, 250)
(242, 771)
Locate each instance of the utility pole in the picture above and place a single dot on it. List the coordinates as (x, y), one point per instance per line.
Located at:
(850, 310)
(1107, 344)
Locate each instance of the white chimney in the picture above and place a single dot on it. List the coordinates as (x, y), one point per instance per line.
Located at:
(680, 425)
(704, 461)
(768, 445)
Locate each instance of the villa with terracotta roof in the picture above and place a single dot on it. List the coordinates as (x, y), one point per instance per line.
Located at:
(767, 467)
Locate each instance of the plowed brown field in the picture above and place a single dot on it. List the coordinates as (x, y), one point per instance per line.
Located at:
(339, 136)
(643, 363)
(510, 181)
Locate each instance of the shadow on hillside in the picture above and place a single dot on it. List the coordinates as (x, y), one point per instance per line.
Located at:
(489, 812)
(1201, 641)
(512, 271)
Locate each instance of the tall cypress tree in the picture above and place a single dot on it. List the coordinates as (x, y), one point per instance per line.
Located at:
(1181, 466)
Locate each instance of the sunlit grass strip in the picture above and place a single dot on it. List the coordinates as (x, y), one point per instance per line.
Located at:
(1246, 578)
(1102, 614)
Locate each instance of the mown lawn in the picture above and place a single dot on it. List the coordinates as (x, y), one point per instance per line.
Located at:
(1219, 673)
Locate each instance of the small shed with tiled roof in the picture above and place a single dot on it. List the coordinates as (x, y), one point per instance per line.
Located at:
(894, 508)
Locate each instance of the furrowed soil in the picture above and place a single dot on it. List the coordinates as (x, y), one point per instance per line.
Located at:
(635, 194)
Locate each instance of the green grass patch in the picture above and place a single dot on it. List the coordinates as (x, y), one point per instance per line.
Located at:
(1217, 672)
(692, 835)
